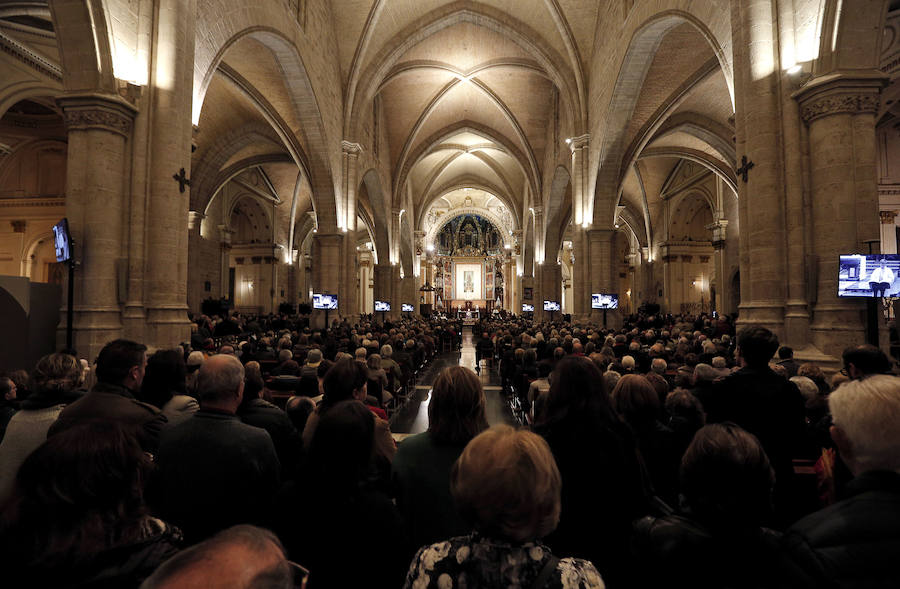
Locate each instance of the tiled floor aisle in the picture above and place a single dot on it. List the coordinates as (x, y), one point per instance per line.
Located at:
(413, 418)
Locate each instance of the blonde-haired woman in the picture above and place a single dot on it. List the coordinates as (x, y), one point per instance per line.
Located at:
(507, 487)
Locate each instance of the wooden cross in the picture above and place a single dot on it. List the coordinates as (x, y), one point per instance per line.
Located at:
(742, 171)
(182, 180)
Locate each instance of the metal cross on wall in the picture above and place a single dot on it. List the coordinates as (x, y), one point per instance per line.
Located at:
(182, 180)
(745, 168)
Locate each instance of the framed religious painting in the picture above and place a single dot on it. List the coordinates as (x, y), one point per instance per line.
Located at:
(527, 293)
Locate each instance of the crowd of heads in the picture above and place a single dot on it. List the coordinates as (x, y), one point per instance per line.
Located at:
(644, 391)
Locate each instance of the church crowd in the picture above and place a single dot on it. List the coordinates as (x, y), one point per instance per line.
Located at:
(674, 451)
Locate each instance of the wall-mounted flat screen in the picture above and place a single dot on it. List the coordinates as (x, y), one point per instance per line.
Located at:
(526, 308)
(601, 300)
(62, 241)
(325, 301)
(551, 306)
(874, 275)
(382, 306)
(406, 307)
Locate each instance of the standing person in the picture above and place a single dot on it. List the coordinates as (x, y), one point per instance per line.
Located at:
(55, 382)
(507, 486)
(337, 502)
(77, 517)
(855, 542)
(165, 385)
(421, 468)
(768, 406)
(121, 365)
(215, 471)
(603, 487)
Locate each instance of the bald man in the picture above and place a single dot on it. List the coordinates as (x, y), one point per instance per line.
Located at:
(241, 557)
(214, 470)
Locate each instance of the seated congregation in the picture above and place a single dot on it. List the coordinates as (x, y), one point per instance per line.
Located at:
(667, 453)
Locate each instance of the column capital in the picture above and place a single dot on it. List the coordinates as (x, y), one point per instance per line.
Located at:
(887, 217)
(194, 219)
(580, 142)
(97, 111)
(350, 148)
(538, 210)
(841, 93)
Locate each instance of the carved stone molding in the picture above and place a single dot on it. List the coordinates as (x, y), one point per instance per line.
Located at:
(350, 148)
(580, 142)
(839, 94)
(97, 112)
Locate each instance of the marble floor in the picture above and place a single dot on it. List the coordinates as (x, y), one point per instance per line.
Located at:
(413, 417)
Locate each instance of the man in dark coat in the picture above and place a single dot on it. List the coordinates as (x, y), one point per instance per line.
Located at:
(120, 372)
(765, 404)
(214, 471)
(855, 542)
(786, 359)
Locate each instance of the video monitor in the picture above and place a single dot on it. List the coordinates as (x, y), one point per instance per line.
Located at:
(526, 308)
(873, 275)
(551, 306)
(62, 241)
(601, 300)
(382, 306)
(406, 308)
(325, 301)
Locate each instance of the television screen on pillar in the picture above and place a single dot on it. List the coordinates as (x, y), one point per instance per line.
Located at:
(526, 308)
(62, 241)
(551, 306)
(874, 275)
(604, 301)
(382, 306)
(406, 307)
(325, 301)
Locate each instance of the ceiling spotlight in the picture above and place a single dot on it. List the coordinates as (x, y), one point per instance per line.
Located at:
(568, 140)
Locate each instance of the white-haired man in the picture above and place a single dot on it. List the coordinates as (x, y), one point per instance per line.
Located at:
(856, 541)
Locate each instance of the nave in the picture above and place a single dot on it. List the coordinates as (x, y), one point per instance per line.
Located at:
(413, 417)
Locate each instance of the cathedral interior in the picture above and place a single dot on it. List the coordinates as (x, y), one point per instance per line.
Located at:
(699, 155)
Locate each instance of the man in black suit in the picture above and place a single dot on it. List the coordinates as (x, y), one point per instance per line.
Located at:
(214, 470)
(765, 404)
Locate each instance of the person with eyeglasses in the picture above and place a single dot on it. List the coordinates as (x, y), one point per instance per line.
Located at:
(240, 557)
(864, 360)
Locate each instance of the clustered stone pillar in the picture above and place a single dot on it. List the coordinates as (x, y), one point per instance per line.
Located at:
(350, 278)
(758, 133)
(581, 277)
(327, 255)
(96, 209)
(840, 112)
(170, 152)
(601, 252)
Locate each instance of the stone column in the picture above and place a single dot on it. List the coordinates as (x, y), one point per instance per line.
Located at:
(550, 279)
(171, 81)
(195, 293)
(602, 270)
(718, 242)
(327, 254)
(888, 232)
(225, 235)
(759, 139)
(840, 110)
(350, 158)
(98, 127)
(581, 275)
